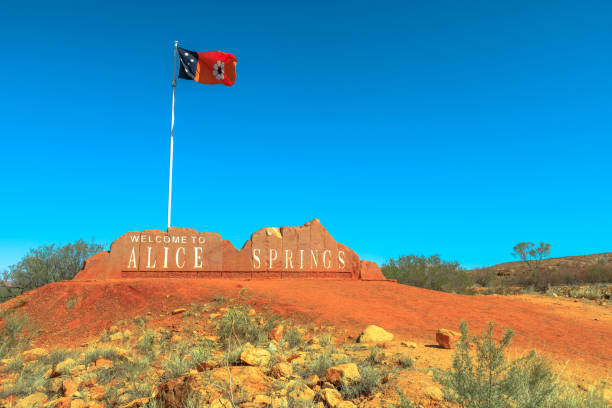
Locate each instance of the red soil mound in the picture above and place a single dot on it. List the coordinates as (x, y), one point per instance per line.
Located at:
(568, 331)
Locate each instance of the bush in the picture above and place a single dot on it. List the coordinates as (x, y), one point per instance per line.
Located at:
(51, 263)
(237, 327)
(485, 379)
(429, 272)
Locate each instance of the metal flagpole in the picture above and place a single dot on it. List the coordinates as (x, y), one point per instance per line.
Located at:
(172, 136)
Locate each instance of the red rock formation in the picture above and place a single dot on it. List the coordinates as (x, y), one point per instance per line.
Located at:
(308, 251)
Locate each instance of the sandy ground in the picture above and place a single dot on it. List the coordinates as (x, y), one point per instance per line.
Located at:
(573, 333)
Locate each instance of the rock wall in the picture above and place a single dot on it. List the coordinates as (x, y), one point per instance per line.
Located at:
(308, 251)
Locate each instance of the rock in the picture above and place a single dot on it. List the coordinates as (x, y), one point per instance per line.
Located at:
(248, 379)
(116, 336)
(299, 392)
(346, 404)
(31, 401)
(434, 393)
(137, 403)
(77, 403)
(255, 357)
(331, 396)
(63, 402)
(103, 363)
(447, 338)
(69, 387)
(280, 370)
(297, 358)
(280, 402)
(179, 310)
(343, 374)
(34, 354)
(277, 333)
(76, 370)
(262, 401)
(375, 334)
(312, 381)
(220, 403)
(64, 366)
(409, 344)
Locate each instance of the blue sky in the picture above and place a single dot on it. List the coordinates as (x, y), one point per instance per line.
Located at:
(456, 128)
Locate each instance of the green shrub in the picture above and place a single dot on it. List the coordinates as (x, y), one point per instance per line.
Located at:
(12, 337)
(485, 379)
(293, 338)
(429, 272)
(237, 327)
(370, 381)
(51, 263)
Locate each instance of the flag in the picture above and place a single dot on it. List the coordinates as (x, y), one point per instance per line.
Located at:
(213, 67)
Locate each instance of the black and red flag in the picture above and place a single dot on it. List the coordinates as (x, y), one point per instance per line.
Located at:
(213, 67)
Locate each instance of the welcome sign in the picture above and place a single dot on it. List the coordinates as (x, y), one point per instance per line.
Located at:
(308, 251)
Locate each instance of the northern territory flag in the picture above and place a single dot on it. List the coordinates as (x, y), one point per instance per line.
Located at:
(213, 67)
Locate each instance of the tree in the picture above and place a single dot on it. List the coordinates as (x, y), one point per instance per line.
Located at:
(531, 255)
(51, 263)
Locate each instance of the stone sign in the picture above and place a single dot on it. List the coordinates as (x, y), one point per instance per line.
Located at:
(308, 251)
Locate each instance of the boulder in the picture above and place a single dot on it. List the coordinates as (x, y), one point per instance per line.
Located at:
(376, 335)
(64, 366)
(34, 354)
(332, 397)
(447, 338)
(277, 332)
(220, 403)
(255, 357)
(280, 370)
(69, 387)
(103, 363)
(31, 401)
(343, 374)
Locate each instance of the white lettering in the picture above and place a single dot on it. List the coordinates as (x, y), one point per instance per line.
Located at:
(176, 240)
(327, 265)
(301, 259)
(167, 239)
(288, 259)
(132, 260)
(165, 257)
(178, 251)
(341, 259)
(158, 239)
(197, 262)
(256, 252)
(134, 238)
(201, 240)
(183, 240)
(315, 254)
(272, 259)
(149, 259)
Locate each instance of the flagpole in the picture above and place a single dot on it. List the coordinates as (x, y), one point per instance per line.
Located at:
(172, 136)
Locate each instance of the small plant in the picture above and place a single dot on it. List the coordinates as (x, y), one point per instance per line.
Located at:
(406, 362)
(70, 303)
(373, 358)
(369, 382)
(404, 402)
(293, 338)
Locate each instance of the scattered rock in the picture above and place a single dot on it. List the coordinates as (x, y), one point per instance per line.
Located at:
(331, 396)
(31, 401)
(34, 354)
(409, 344)
(434, 393)
(280, 370)
(103, 363)
(69, 387)
(447, 338)
(137, 403)
(277, 332)
(179, 310)
(343, 374)
(64, 366)
(255, 357)
(220, 403)
(375, 334)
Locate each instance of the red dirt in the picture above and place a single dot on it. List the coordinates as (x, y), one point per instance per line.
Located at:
(564, 329)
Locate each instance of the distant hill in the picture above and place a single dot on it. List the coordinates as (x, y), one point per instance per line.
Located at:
(576, 265)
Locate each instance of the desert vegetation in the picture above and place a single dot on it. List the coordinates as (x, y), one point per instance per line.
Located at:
(46, 264)
(226, 354)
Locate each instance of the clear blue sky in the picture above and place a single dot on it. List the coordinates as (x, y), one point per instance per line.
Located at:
(456, 128)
